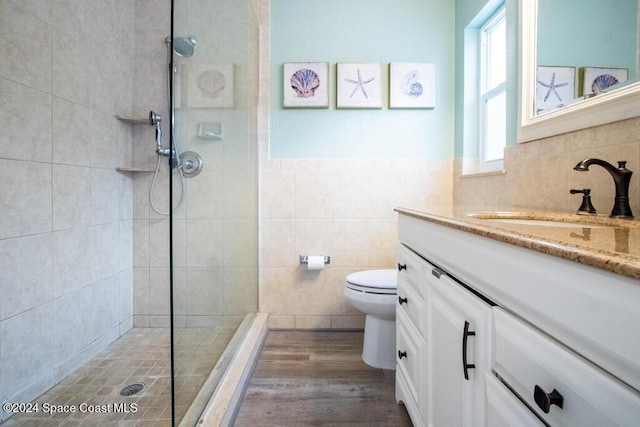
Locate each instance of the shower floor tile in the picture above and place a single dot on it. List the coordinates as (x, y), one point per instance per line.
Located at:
(141, 356)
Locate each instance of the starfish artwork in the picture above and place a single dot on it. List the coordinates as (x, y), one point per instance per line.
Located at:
(551, 87)
(359, 85)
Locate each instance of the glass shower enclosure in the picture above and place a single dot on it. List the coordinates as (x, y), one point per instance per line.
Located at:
(213, 187)
(128, 194)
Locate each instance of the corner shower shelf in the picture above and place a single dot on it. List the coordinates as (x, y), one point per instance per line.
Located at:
(134, 120)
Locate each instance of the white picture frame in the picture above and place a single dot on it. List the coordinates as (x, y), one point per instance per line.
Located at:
(305, 85)
(210, 86)
(594, 80)
(359, 85)
(412, 85)
(555, 87)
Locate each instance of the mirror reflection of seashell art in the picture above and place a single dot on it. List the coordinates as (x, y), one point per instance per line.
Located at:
(305, 85)
(210, 86)
(595, 80)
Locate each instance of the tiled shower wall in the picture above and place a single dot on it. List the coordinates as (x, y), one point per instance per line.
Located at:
(66, 232)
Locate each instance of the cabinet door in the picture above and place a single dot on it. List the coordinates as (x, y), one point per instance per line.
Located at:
(458, 354)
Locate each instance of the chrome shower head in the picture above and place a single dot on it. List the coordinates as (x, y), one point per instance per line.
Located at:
(183, 46)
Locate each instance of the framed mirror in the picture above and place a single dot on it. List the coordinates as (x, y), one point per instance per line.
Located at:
(579, 63)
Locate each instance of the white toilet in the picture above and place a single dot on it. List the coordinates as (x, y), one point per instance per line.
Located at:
(374, 292)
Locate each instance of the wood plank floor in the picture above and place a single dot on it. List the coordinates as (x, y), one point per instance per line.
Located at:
(318, 379)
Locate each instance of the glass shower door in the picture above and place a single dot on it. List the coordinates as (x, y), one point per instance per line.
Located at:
(214, 228)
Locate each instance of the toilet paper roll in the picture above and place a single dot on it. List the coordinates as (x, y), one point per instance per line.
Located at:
(315, 262)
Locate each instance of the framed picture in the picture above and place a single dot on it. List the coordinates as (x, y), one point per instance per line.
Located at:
(359, 85)
(305, 85)
(412, 85)
(594, 80)
(210, 86)
(555, 87)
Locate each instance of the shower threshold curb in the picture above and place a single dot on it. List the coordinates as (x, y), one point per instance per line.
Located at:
(225, 402)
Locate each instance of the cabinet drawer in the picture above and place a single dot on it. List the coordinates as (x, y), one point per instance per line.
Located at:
(562, 387)
(413, 305)
(413, 269)
(504, 409)
(410, 346)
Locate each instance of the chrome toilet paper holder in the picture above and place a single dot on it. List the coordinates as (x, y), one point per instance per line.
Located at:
(304, 259)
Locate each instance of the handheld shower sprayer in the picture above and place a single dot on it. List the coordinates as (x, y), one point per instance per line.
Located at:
(154, 120)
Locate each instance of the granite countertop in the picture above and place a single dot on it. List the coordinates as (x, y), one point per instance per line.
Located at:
(598, 241)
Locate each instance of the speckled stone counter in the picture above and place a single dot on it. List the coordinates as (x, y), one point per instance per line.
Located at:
(598, 241)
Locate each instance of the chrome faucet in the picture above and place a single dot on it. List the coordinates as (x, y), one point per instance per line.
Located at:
(621, 177)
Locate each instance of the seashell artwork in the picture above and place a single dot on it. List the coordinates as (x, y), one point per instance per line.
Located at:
(305, 85)
(305, 82)
(211, 83)
(410, 85)
(602, 82)
(595, 80)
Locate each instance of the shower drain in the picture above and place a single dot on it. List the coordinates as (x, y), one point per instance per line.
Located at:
(131, 389)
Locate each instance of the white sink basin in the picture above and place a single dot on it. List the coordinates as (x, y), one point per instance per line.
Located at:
(541, 222)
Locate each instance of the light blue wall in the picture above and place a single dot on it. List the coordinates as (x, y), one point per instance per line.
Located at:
(381, 31)
(589, 33)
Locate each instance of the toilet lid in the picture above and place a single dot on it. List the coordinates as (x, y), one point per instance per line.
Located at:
(380, 279)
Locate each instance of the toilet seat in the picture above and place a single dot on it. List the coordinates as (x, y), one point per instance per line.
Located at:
(383, 282)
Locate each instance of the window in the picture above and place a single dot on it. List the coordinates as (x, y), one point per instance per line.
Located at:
(493, 98)
(484, 123)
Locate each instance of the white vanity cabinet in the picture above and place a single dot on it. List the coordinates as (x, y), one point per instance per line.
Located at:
(411, 332)
(443, 335)
(458, 353)
(554, 342)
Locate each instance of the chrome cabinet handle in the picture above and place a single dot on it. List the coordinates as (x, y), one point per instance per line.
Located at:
(544, 400)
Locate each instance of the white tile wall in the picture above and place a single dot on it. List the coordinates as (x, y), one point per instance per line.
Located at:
(66, 235)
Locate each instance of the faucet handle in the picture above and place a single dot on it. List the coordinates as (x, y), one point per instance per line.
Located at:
(622, 164)
(585, 191)
(586, 208)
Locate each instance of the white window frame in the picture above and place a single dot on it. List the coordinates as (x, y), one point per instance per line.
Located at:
(489, 93)
(471, 127)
